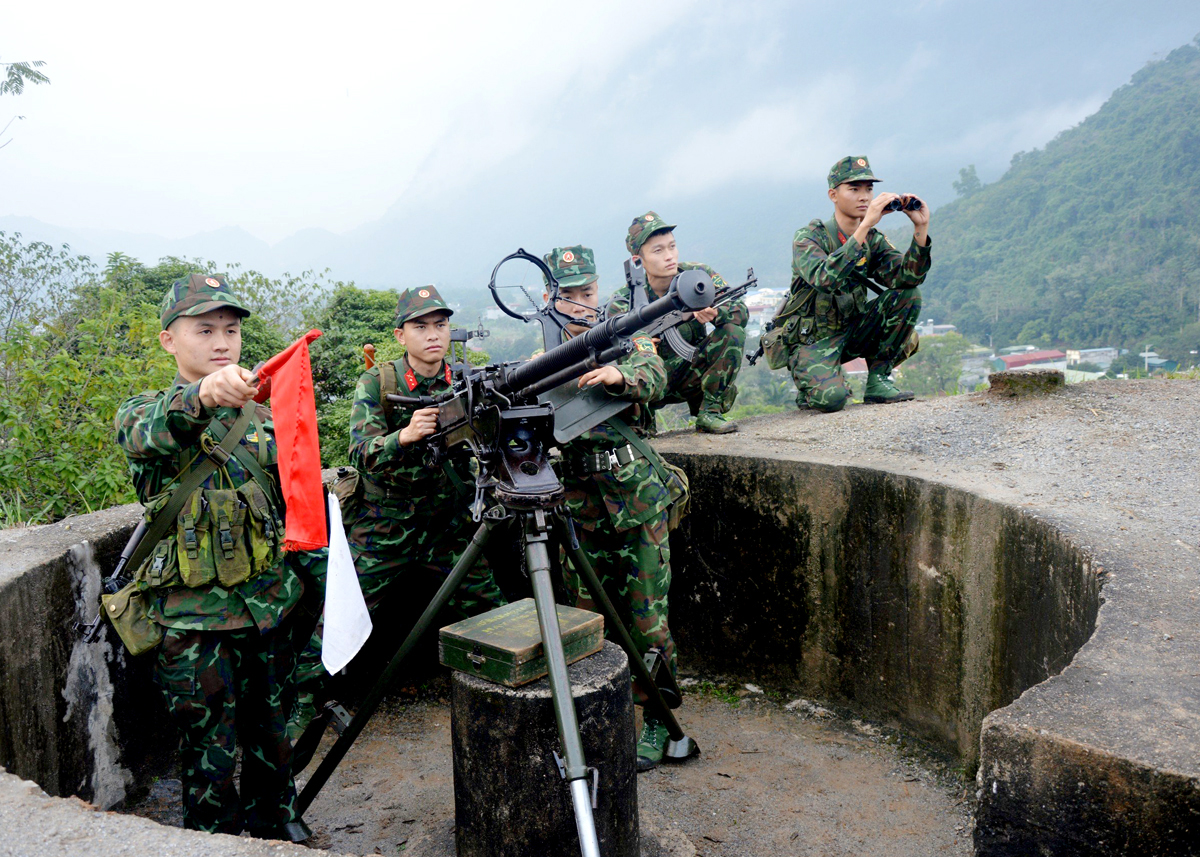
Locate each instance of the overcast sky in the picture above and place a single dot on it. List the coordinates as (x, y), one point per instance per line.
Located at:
(173, 118)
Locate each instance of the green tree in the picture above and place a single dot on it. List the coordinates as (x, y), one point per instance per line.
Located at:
(62, 375)
(935, 369)
(16, 75)
(968, 182)
(76, 341)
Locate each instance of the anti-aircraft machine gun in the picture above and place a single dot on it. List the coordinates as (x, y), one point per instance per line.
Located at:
(510, 415)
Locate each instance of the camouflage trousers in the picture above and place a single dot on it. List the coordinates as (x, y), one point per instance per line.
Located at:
(884, 335)
(634, 567)
(707, 384)
(402, 554)
(222, 688)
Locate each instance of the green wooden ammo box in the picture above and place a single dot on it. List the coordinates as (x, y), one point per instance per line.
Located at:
(505, 645)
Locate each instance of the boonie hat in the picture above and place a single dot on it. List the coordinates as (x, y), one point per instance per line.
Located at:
(197, 294)
(415, 303)
(642, 228)
(852, 168)
(572, 266)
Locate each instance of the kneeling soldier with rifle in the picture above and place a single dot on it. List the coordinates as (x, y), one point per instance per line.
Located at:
(214, 589)
(826, 320)
(618, 488)
(414, 517)
(706, 383)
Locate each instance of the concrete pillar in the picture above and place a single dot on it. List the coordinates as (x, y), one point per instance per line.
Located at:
(509, 799)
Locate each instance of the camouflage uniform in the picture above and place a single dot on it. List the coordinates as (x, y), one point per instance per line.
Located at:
(225, 664)
(707, 385)
(414, 517)
(622, 511)
(827, 320)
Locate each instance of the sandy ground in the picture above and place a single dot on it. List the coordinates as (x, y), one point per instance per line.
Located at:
(777, 776)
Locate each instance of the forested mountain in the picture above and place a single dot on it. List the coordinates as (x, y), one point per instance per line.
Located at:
(1094, 240)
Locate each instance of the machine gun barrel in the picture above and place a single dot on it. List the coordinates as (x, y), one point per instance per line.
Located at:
(692, 290)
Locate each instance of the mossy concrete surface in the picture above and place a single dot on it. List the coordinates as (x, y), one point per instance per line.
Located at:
(907, 600)
(78, 719)
(1025, 382)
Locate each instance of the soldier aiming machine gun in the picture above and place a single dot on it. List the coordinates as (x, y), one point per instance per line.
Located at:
(510, 415)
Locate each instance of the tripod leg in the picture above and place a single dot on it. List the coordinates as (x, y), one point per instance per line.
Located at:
(448, 588)
(680, 746)
(537, 558)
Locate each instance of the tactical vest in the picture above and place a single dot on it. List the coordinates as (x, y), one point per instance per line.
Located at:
(809, 314)
(203, 536)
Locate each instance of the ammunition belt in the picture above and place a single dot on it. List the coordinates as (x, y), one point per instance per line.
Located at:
(602, 461)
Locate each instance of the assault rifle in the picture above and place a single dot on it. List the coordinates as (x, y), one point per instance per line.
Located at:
(668, 325)
(758, 352)
(116, 581)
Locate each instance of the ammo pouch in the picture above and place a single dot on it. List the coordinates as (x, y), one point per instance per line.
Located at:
(680, 508)
(128, 611)
(348, 488)
(226, 534)
(667, 472)
(177, 523)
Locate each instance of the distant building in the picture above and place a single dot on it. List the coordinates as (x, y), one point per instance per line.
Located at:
(1102, 357)
(762, 304)
(928, 328)
(1029, 358)
(976, 366)
(764, 300)
(856, 368)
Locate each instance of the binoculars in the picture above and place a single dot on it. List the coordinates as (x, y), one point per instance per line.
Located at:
(913, 204)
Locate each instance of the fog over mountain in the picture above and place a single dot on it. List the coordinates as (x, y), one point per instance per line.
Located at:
(723, 117)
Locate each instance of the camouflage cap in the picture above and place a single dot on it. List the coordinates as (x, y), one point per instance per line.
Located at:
(642, 228)
(415, 303)
(572, 266)
(852, 168)
(197, 294)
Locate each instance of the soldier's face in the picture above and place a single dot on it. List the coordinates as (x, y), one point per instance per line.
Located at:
(202, 344)
(851, 199)
(659, 255)
(578, 302)
(427, 339)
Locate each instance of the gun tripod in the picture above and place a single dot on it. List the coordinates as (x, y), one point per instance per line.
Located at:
(538, 521)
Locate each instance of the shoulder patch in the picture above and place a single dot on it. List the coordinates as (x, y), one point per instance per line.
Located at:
(644, 343)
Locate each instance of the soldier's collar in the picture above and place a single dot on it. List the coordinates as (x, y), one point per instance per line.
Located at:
(412, 379)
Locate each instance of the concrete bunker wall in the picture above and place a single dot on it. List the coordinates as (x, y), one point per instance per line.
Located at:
(907, 600)
(76, 719)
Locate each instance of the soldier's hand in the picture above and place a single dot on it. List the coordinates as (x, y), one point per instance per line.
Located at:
(875, 210)
(920, 217)
(228, 387)
(422, 425)
(609, 376)
(704, 316)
